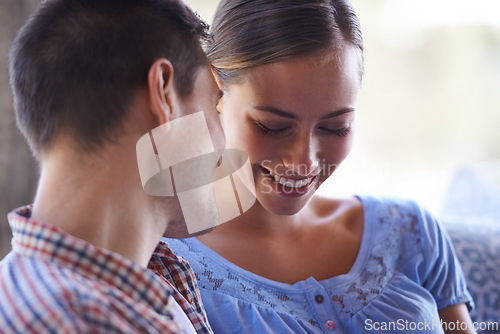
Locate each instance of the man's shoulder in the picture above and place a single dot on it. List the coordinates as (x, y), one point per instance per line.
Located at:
(30, 279)
(40, 296)
(43, 295)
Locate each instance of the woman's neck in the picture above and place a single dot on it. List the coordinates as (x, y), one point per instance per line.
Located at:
(281, 247)
(258, 222)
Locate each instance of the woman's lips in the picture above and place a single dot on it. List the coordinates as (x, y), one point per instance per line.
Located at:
(289, 182)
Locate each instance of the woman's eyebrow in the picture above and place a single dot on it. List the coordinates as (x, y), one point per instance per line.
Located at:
(277, 111)
(287, 114)
(338, 113)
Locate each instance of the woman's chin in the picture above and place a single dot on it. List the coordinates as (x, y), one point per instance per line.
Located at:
(283, 206)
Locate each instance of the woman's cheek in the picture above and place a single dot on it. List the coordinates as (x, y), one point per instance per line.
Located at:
(341, 150)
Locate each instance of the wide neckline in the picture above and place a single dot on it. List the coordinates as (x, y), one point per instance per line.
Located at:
(311, 282)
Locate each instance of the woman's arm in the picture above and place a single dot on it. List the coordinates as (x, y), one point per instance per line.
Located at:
(456, 320)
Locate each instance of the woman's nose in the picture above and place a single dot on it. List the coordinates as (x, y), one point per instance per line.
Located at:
(302, 155)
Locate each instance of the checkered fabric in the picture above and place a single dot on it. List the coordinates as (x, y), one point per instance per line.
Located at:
(178, 272)
(52, 282)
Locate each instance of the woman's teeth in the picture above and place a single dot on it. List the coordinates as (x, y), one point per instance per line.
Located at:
(291, 183)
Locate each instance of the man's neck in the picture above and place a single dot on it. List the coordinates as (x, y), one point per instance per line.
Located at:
(100, 201)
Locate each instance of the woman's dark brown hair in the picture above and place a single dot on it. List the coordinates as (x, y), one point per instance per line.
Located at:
(249, 33)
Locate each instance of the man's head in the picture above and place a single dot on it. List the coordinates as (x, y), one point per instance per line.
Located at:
(90, 78)
(76, 66)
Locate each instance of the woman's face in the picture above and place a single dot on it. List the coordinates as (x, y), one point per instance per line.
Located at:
(295, 119)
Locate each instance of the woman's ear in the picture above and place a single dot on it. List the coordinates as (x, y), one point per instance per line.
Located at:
(162, 92)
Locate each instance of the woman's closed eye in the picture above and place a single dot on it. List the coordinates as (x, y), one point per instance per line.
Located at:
(277, 130)
(342, 132)
(271, 130)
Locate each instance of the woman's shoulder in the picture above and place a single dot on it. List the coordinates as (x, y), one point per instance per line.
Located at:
(367, 208)
(404, 230)
(323, 205)
(378, 207)
(395, 225)
(402, 212)
(330, 208)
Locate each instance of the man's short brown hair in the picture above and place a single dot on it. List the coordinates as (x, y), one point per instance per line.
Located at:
(76, 65)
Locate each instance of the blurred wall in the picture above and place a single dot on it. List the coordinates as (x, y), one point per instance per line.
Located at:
(18, 172)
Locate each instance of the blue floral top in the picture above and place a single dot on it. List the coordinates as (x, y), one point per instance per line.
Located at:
(405, 271)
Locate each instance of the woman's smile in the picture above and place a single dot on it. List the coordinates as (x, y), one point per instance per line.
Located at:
(288, 186)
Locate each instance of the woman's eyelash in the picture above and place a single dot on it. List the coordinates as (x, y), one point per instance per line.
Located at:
(268, 131)
(340, 133)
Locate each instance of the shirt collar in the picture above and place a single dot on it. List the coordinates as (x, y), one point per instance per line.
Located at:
(175, 270)
(50, 243)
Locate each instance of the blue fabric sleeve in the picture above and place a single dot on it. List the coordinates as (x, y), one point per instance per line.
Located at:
(441, 273)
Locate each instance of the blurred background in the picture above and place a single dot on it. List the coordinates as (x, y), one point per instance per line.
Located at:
(18, 171)
(428, 114)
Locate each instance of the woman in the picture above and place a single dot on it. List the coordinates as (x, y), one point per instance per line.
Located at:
(290, 71)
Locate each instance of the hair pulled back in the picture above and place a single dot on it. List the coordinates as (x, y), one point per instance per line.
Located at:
(249, 33)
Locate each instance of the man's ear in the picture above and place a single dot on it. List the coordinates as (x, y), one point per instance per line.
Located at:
(162, 94)
(220, 103)
(217, 78)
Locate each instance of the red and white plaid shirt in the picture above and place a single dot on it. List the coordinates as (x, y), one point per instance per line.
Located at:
(52, 282)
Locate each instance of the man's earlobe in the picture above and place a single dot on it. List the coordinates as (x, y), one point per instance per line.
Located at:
(220, 103)
(161, 89)
(217, 78)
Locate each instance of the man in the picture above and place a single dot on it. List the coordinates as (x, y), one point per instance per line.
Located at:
(90, 78)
